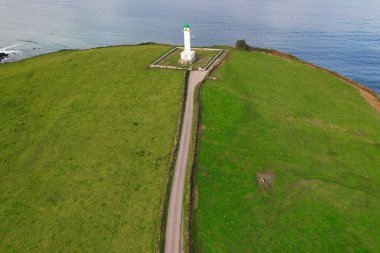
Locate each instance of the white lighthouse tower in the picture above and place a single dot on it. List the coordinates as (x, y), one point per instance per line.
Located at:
(187, 56)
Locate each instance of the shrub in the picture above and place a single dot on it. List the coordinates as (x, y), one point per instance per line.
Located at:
(242, 45)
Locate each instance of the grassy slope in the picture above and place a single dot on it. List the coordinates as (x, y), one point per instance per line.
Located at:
(315, 132)
(85, 144)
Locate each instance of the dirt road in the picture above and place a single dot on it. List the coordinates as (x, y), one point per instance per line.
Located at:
(173, 239)
(174, 221)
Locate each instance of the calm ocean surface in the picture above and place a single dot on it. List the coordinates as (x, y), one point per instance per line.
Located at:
(342, 35)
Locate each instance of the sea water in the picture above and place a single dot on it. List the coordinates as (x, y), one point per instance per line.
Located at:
(342, 35)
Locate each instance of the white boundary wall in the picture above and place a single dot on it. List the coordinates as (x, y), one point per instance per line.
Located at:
(155, 64)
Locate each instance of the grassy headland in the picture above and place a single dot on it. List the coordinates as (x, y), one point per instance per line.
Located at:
(85, 143)
(311, 132)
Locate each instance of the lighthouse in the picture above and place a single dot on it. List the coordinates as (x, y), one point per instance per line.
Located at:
(187, 56)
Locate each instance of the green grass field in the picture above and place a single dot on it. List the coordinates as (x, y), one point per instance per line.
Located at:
(203, 57)
(314, 132)
(84, 149)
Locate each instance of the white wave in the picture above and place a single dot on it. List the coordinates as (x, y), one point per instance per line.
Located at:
(12, 46)
(9, 51)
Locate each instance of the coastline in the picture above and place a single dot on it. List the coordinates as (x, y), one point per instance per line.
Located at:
(3, 56)
(367, 93)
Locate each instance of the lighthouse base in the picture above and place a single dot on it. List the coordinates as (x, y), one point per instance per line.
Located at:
(187, 57)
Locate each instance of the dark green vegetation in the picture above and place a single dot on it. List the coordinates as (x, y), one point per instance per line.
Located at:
(242, 45)
(203, 57)
(318, 137)
(84, 150)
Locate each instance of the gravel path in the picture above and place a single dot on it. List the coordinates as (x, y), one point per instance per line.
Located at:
(173, 241)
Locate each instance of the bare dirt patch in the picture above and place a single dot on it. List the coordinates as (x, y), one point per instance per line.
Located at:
(265, 179)
(361, 133)
(370, 98)
(195, 198)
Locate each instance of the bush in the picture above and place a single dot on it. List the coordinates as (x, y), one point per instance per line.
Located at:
(242, 45)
